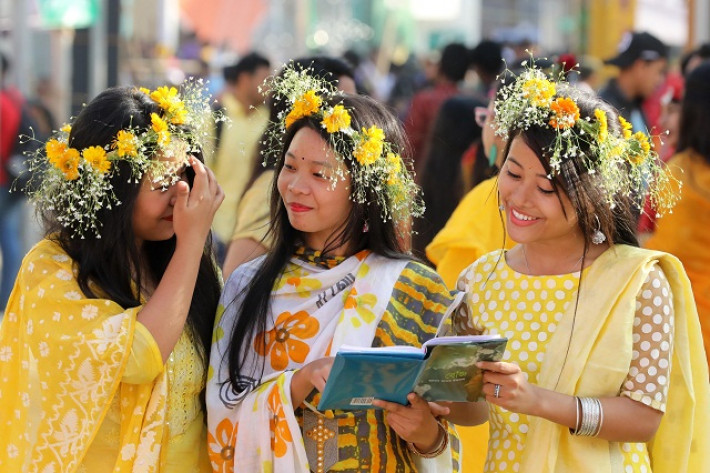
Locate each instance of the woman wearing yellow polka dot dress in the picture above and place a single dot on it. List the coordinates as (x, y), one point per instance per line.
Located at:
(604, 369)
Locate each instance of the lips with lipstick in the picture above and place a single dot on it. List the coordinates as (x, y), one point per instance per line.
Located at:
(296, 207)
(169, 218)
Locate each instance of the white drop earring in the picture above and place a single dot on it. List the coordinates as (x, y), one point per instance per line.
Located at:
(598, 236)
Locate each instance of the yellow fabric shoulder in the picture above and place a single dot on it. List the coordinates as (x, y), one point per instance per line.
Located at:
(684, 233)
(475, 228)
(62, 357)
(600, 364)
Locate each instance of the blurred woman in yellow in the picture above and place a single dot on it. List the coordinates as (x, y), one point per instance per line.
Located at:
(684, 233)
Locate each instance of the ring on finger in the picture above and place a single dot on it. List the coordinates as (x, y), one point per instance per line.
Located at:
(496, 390)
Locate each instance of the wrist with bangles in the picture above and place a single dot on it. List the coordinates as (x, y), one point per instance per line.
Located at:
(441, 445)
(589, 417)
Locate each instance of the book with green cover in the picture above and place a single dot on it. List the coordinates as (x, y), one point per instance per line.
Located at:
(443, 369)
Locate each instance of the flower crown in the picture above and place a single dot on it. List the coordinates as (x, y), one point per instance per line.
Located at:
(76, 184)
(625, 164)
(375, 163)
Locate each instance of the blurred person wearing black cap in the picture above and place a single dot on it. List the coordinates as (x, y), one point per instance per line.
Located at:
(684, 233)
(641, 59)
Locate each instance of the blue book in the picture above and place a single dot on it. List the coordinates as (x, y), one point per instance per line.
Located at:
(443, 369)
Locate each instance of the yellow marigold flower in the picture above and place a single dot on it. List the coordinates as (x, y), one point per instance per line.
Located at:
(66, 128)
(566, 113)
(158, 123)
(144, 90)
(336, 119)
(367, 152)
(160, 126)
(125, 143)
(643, 141)
(68, 163)
(625, 127)
(55, 150)
(374, 134)
(539, 91)
(290, 118)
(603, 132)
(394, 166)
(96, 156)
(166, 97)
(307, 104)
(178, 115)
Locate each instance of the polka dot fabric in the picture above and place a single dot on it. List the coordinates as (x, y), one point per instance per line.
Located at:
(527, 309)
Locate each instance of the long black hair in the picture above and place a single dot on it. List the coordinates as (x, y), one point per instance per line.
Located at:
(383, 237)
(591, 206)
(695, 113)
(114, 266)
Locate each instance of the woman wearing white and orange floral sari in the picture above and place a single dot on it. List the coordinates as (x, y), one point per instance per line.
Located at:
(337, 274)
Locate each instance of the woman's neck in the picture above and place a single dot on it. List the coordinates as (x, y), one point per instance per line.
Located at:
(544, 259)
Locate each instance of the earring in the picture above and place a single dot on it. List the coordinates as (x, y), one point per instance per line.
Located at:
(598, 236)
(365, 227)
(501, 207)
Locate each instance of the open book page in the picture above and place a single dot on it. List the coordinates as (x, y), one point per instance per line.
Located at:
(449, 372)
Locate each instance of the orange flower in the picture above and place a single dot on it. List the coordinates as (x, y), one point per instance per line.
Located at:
(55, 150)
(68, 163)
(282, 340)
(280, 433)
(96, 156)
(221, 446)
(566, 113)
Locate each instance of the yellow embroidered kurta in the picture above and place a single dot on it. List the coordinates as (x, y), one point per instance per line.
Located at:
(647, 294)
(84, 387)
(474, 229)
(684, 233)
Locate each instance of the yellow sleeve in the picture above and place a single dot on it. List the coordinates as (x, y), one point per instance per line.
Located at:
(145, 361)
(254, 214)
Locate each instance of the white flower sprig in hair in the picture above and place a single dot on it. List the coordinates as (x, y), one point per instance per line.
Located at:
(625, 163)
(75, 185)
(375, 164)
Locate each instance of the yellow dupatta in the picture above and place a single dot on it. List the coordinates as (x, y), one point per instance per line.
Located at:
(598, 363)
(62, 357)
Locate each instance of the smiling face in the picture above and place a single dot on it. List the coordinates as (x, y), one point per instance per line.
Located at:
(317, 201)
(153, 209)
(533, 210)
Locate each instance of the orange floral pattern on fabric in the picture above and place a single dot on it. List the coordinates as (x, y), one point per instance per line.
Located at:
(284, 341)
(221, 446)
(280, 433)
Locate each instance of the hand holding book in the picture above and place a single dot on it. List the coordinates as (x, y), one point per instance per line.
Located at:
(443, 369)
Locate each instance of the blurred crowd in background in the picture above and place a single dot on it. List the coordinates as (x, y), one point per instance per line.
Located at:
(434, 63)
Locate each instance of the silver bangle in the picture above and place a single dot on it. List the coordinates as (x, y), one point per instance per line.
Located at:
(592, 417)
(576, 417)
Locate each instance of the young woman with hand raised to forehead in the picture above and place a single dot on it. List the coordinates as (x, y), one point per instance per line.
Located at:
(105, 342)
(594, 323)
(338, 273)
